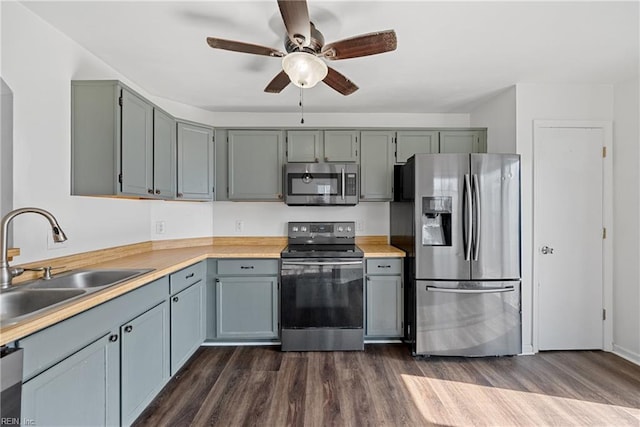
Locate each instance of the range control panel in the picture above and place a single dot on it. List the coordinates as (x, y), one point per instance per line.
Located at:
(312, 232)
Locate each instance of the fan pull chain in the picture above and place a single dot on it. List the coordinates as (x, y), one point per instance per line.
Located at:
(301, 108)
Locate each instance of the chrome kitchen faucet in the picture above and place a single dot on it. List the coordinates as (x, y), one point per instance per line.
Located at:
(6, 273)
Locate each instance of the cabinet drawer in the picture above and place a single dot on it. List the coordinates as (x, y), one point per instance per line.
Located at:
(247, 267)
(186, 277)
(384, 266)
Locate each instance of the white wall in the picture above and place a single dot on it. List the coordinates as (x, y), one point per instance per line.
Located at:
(547, 102)
(498, 115)
(6, 149)
(626, 276)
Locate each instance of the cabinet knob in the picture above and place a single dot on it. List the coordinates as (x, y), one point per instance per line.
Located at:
(326, 159)
(316, 159)
(150, 190)
(157, 191)
(113, 338)
(279, 196)
(180, 195)
(176, 299)
(128, 328)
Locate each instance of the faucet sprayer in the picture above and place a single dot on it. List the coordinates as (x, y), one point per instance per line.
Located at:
(7, 273)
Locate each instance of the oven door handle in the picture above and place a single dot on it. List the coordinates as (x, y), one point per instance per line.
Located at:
(321, 263)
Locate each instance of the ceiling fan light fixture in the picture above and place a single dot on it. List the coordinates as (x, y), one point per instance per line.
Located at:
(305, 70)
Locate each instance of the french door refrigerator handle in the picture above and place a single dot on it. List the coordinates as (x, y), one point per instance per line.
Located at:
(470, 291)
(468, 220)
(342, 174)
(477, 212)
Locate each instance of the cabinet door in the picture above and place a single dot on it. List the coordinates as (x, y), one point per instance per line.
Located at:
(340, 146)
(409, 143)
(255, 165)
(195, 162)
(384, 306)
(463, 141)
(303, 146)
(376, 165)
(136, 145)
(81, 390)
(187, 324)
(145, 360)
(164, 157)
(247, 307)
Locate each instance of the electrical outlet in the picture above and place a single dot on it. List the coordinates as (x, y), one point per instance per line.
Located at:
(55, 245)
(360, 225)
(239, 225)
(160, 227)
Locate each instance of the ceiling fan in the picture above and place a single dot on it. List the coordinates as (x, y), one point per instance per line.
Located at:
(303, 64)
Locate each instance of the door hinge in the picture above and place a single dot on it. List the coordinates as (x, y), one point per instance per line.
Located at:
(604, 232)
(604, 314)
(120, 101)
(120, 178)
(356, 153)
(604, 151)
(213, 138)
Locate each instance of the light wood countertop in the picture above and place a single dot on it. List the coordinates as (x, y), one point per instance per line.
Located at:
(163, 262)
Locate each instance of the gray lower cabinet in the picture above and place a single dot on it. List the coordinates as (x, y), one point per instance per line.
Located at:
(102, 366)
(376, 165)
(246, 299)
(188, 321)
(196, 164)
(144, 366)
(384, 298)
(255, 164)
(79, 390)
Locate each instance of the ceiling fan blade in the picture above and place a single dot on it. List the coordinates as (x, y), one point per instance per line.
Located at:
(363, 45)
(278, 83)
(243, 47)
(295, 15)
(340, 83)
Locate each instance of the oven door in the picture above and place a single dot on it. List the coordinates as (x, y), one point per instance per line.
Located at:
(321, 293)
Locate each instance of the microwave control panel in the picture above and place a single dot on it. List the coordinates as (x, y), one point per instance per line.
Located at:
(351, 184)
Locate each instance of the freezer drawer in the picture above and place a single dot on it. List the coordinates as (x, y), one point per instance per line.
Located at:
(469, 318)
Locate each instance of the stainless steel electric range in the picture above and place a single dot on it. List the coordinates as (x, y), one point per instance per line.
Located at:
(321, 295)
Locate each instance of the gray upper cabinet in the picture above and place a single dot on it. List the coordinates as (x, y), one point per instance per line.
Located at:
(137, 145)
(304, 146)
(376, 165)
(410, 142)
(255, 164)
(121, 144)
(195, 167)
(164, 154)
(341, 146)
(463, 141)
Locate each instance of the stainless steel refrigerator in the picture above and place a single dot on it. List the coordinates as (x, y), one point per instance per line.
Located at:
(458, 218)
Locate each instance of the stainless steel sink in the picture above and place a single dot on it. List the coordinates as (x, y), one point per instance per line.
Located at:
(20, 302)
(16, 304)
(86, 279)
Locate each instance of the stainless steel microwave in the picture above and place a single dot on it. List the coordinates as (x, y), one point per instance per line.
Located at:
(313, 184)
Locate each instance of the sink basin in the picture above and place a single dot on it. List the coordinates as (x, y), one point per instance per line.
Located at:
(86, 279)
(18, 303)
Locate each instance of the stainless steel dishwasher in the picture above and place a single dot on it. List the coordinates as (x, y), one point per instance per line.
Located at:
(10, 385)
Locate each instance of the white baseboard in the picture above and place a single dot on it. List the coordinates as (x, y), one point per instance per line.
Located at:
(631, 356)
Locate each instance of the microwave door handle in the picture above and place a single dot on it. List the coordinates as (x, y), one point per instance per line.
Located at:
(342, 183)
(477, 211)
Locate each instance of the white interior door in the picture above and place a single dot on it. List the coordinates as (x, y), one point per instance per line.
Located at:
(568, 233)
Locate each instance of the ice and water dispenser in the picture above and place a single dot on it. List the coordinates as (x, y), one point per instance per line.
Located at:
(436, 221)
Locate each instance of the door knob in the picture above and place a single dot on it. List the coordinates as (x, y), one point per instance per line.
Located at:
(546, 250)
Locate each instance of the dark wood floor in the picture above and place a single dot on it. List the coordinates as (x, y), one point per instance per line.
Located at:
(385, 386)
